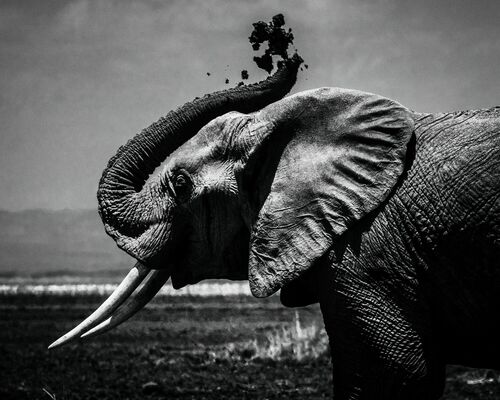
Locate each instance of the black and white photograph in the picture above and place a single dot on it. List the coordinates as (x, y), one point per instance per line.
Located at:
(224, 200)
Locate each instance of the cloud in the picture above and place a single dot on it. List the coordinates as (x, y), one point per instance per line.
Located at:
(79, 77)
(74, 17)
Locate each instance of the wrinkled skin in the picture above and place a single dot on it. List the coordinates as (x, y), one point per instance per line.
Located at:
(389, 218)
(422, 275)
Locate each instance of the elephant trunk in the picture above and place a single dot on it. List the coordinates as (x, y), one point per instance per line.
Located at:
(131, 210)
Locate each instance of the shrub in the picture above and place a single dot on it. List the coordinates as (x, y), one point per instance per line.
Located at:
(292, 341)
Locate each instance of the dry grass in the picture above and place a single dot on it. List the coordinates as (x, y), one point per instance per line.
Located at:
(48, 393)
(292, 342)
(192, 347)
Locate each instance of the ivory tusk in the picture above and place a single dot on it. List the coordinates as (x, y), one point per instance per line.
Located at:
(151, 286)
(120, 294)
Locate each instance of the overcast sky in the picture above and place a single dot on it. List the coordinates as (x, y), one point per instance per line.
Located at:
(78, 78)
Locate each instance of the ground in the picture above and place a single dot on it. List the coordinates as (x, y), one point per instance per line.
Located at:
(180, 348)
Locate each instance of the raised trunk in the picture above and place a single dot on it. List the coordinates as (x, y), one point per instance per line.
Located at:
(130, 210)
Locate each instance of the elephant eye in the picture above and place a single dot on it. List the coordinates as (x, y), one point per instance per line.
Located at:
(180, 180)
(182, 185)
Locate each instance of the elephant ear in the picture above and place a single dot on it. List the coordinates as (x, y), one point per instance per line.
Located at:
(344, 154)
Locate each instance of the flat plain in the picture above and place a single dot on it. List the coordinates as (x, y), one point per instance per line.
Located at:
(188, 347)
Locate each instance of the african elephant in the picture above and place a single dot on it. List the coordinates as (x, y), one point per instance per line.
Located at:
(388, 217)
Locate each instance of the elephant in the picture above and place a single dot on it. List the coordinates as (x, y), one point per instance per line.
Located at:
(389, 218)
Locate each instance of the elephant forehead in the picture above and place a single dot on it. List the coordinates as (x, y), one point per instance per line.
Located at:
(209, 142)
(192, 154)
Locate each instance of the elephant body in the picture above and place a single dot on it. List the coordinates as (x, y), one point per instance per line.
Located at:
(389, 218)
(416, 286)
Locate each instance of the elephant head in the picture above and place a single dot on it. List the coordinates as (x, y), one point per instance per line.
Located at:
(260, 193)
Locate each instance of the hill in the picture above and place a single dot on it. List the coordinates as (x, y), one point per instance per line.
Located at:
(41, 243)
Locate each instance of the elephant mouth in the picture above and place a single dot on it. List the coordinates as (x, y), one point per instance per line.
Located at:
(182, 277)
(183, 274)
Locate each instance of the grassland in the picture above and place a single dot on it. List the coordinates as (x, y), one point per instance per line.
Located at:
(180, 348)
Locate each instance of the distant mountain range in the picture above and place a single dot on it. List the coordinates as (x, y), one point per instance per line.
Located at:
(40, 243)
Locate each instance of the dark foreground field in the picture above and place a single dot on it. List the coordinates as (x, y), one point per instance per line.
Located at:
(180, 348)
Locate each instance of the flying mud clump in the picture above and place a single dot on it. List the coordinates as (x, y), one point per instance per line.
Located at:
(278, 41)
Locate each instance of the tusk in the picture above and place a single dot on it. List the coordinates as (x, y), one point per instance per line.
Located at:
(121, 293)
(151, 286)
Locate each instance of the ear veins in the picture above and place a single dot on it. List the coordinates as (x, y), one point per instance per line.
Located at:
(233, 127)
(256, 169)
(256, 155)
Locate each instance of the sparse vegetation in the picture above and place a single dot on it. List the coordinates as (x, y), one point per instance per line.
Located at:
(291, 341)
(233, 347)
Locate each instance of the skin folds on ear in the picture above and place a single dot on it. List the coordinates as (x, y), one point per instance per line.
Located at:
(344, 154)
